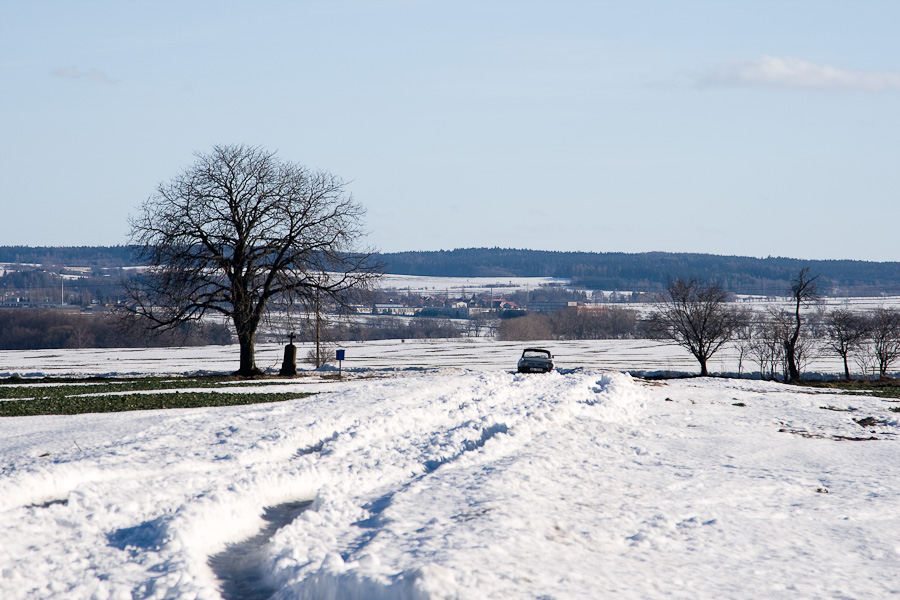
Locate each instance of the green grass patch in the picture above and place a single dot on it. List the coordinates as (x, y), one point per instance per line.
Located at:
(20, 397)
(125, 402)
(53, 388)
(877, 388)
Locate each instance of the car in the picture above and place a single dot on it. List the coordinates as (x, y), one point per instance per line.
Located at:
(535, 360)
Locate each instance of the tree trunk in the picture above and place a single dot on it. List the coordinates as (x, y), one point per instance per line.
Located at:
(793, 372)
(703, 371)
(846, 369)
(790, 346)
(246, 318)
(318, 333)
(320, 359)
(246, 341)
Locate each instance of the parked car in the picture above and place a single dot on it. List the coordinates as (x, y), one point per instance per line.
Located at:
(535, 360)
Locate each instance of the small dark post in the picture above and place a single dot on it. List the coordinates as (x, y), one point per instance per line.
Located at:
(289, 366)
(340, 358)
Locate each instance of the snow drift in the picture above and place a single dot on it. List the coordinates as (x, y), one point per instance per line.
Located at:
(458, 485)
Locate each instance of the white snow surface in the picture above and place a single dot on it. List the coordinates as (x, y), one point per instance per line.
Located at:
(464, 484)
(464, 285)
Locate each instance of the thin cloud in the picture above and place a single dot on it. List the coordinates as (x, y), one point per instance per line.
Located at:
(76, 74)
(795, 73)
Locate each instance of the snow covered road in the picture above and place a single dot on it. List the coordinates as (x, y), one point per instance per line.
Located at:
(461, 484)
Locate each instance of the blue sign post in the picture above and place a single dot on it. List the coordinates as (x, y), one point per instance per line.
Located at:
(340, 358)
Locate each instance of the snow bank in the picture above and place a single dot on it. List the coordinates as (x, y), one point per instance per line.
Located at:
(137, 502)
(460, 485)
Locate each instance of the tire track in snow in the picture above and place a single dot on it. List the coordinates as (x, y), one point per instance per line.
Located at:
(241, 566)
(393, 450)
(364, 450)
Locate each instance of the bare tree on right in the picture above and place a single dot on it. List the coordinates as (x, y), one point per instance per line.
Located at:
(804, 292)
(846, 333)
(884, 334)
(697, 317)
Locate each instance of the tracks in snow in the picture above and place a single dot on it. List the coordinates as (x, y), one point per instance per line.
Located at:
(241, 567)
(169, 498)
(399, 445)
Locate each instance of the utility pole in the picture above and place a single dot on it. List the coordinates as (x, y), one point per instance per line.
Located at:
(318, 331)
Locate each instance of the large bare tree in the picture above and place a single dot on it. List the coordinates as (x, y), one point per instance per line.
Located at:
(239, 229)
(697, 317)
(804, 291)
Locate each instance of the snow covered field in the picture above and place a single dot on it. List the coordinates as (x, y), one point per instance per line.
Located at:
(432, 471)
(464, 285)
(483, 354)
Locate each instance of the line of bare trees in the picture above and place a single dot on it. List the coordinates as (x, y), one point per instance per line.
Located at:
(574, 323)
(869, 340)
(31, 329)
(699, 317)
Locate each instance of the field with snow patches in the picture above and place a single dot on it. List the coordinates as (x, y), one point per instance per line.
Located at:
(432, 471)
(483, 354)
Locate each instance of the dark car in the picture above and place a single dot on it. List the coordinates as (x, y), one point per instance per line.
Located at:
(535, 360)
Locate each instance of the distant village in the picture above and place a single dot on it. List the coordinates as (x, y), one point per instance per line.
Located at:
(87, 288)
(541, 300)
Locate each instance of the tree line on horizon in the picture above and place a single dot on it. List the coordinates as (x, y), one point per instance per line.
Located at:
(650, 272)
(646, 272)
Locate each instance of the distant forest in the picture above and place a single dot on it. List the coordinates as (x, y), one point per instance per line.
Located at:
(640, 272)
(72, 256)
(650, 271)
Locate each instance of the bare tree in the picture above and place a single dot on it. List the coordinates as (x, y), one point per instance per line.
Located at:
(846, 331)
(766, 346)
(804, 291)
(477, 323)
(885, 337)
(529, 327)
(697, 317)
(782, 325)
(744, 337)
(865, 359)
(241, 228)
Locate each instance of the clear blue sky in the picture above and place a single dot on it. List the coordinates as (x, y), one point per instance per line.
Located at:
(746, 127)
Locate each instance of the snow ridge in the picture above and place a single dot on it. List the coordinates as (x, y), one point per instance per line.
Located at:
(461, 485)
(140, 515)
